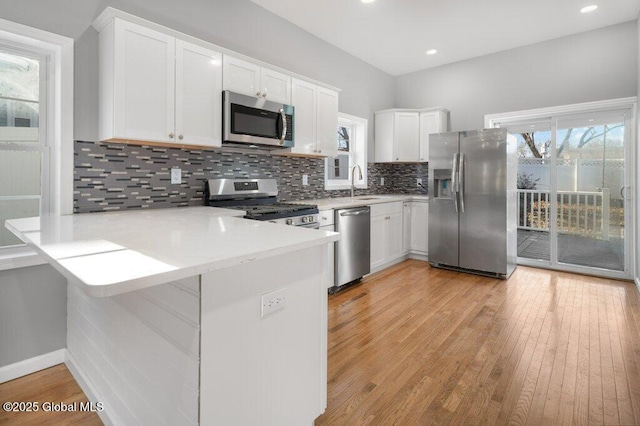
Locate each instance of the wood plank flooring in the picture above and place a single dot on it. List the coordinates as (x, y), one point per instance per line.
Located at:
(55, 384)
(414, 345)
(419, 345)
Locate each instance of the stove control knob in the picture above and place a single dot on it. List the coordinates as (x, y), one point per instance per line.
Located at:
(289, 221)
(311, 219)
(304, 219)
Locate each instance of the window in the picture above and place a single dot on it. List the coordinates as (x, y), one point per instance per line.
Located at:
(22, 150)
(351, 139)
(36, 132)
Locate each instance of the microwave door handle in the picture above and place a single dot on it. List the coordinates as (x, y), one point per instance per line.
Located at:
(283, 116)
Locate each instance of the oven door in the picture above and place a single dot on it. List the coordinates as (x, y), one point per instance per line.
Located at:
(256, 121)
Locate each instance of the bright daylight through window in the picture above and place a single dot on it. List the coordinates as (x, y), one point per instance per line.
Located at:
(23, 156)
(352, 150)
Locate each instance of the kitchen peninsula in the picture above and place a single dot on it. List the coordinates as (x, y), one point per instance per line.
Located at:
(191, 315)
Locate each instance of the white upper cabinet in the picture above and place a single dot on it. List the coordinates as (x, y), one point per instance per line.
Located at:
(316, 120)
(402, 135)
(253, 80)
(156, 88)
(198, 95)
(327, 130)
(430, 122)
(142, 83)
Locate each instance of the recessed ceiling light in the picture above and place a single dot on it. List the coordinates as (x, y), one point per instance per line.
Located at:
(588, 9)
(367, 1)
(431, 52)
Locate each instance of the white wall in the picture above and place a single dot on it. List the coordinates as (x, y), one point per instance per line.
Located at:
(591, 66)
(33, 313)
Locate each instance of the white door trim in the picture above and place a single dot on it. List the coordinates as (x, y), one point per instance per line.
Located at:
(556, 112)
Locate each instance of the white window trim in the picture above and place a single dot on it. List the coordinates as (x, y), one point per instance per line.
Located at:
(361, 141)
(59, 124)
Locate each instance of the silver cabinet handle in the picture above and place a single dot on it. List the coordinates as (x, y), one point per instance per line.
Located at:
(180, 137)
(171, 135)
(283, 116)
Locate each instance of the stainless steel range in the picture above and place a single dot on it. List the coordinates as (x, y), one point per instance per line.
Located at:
(258, 197)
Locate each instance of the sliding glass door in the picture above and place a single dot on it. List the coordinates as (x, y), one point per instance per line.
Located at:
(574, 208)
(591, 190)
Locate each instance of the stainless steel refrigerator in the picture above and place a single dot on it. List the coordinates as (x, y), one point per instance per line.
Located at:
(473, 201)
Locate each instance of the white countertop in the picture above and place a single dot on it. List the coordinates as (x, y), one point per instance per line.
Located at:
(118, 252)
(361, 200)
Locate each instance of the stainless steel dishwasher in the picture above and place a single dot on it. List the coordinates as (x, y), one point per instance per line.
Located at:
(353, 250)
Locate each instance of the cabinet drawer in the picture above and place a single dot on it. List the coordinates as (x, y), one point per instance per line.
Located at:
(325, 217)
(386, 208)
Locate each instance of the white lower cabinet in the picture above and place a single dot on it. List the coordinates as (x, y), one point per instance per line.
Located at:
(419, 232)
(327, 224)
(386, 233)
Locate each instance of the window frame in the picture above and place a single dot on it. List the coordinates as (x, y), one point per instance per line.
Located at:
(56, 125)
(357, 152)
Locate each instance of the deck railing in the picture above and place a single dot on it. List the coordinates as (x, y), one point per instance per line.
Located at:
(581, 212)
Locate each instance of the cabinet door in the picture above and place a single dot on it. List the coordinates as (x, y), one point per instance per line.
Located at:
(384, 146)
(406, 226)
(327, 131)
(407, 136)
(241, 77)
(378, 241)
(304, 99)
(420, 227)
(144, 83)
(430, 122)
(394, 236)
(330, 265)
(276, 86)
(198, 95)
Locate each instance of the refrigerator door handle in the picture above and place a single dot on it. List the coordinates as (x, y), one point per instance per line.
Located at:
(454, 180)
(461, 182)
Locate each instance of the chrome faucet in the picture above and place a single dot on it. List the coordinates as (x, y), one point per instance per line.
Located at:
(353, 172)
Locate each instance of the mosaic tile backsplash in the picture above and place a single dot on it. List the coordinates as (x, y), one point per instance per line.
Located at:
(112, 176)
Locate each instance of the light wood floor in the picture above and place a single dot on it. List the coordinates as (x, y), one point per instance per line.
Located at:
(55, 384)
(415, 345)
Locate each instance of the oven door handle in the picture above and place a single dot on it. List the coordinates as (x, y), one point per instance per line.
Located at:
(283, 117)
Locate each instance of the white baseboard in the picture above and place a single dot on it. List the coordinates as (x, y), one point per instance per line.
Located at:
(638, 283)
(87, 387)
(31, 365)
(418, 256)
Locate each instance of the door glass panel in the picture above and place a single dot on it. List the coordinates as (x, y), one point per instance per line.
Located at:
(534, 178)
(590, 172)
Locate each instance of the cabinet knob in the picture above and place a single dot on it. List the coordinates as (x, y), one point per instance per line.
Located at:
(180, 137)
(264, 95)
(257, 93)
(387, 218)
(319, 150)
(397, 158)
(171, 135)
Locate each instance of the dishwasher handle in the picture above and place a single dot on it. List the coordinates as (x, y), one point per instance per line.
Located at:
(355, 212)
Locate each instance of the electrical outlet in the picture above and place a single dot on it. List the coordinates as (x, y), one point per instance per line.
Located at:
(273, 301)
(419, 182)
(305, 180)
(176, 176)
(381, 181)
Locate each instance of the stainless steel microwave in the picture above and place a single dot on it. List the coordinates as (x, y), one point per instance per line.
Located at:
(256, 121)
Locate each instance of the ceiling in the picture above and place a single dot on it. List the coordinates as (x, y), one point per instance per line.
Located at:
(393, 35)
